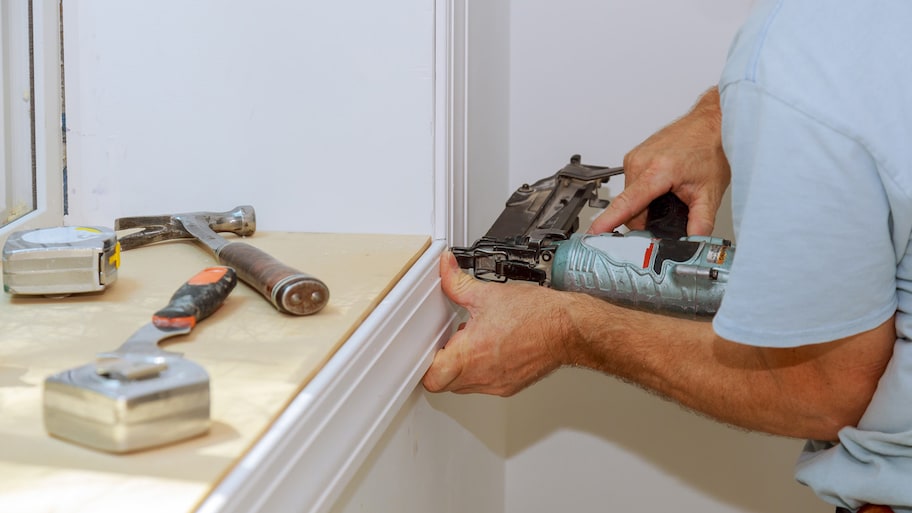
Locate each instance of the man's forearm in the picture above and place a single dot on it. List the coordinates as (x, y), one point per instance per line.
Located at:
(806, 392)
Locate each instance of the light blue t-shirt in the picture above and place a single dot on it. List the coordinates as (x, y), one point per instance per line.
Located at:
(817, 127)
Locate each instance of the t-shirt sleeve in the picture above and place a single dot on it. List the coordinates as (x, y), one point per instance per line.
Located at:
(814, 261)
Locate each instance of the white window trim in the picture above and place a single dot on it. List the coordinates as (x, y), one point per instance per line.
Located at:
(16, 190)
(451, 85)
(48, 100)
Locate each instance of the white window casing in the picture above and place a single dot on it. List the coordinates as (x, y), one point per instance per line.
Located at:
(31, 142)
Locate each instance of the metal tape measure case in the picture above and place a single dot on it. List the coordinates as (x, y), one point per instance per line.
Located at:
(60, 261)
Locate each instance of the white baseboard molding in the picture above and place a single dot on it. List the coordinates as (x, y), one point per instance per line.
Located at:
(308, 456)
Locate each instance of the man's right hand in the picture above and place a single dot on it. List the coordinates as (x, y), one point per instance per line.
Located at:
(685, 158)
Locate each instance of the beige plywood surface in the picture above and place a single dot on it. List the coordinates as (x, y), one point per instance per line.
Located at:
(256, 357)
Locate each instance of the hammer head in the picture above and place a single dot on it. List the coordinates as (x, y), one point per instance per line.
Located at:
(125, 412)
(240, 221)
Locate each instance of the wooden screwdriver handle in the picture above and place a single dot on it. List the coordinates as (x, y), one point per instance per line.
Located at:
(289, 290)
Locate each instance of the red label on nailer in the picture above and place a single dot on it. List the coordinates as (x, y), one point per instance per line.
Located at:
(648, 256)
(634, 251)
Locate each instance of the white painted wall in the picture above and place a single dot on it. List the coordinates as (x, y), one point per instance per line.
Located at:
(580, 441)
(442, 454)
(488, 112)
(596, 78)
(319, 114)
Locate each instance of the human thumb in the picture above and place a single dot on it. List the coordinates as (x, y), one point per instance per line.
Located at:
(456, 284)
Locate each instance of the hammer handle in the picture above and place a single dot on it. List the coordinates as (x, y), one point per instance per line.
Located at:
(288, 289)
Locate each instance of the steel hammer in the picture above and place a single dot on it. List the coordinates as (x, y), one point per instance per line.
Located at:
(289, 290)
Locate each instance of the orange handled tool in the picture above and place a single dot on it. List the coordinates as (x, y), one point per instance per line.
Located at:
(141, 396)
(196, 299)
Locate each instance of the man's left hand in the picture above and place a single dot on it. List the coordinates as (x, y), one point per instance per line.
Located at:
(515, 335)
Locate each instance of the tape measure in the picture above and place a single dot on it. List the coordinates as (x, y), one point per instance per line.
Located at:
(60, 261)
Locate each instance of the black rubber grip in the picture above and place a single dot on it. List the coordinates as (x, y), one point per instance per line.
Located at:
(197, 299)
(666, 217)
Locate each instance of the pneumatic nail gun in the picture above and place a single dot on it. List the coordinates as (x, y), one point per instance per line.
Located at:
(660, 269)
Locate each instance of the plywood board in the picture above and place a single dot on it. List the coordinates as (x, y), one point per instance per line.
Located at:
(257, 359)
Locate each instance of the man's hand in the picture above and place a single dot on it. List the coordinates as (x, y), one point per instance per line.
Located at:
(519, 333)
(516, 335)
(685, 158)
